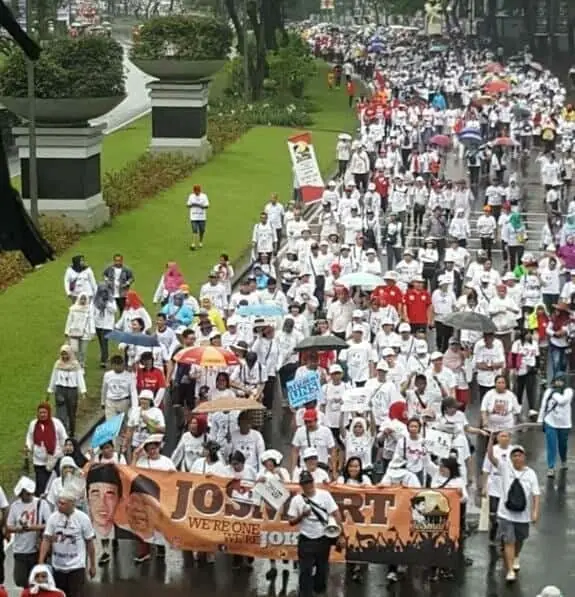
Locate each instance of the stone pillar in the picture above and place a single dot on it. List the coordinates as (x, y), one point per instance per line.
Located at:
(68, 163)
(180, 118)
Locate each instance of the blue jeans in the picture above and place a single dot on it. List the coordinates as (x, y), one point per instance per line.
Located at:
(556, 439)
(557, 360)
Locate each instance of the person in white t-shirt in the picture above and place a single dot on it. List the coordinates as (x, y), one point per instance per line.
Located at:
(198, 203)
(68, 540)
(314, 435)
(311, 510)
(275, 211)
(499, 407)
(518, 506)
(491, 481)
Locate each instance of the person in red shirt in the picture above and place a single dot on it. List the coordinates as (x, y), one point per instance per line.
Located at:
(350, 90)
(390, 293)
(150, 378)
(382, 187)
(41, 584)
(417, 305)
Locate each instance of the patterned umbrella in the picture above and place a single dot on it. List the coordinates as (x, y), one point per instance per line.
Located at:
(206, 356)
(504, 142)
(440, 140)
(497, 86)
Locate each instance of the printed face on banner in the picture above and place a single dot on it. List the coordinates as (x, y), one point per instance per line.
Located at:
(380, 525)
(103, 499)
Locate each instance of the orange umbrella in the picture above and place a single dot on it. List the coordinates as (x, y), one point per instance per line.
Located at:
(206, 356)
(497, 86)
(226, 404)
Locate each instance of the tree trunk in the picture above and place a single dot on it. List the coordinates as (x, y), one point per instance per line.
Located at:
(258, 70)
(491, 21)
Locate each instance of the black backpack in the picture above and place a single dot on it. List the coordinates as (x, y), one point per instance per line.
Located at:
(516, 498)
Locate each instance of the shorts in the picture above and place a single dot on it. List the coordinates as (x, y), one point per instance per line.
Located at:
(198, 226)
(512, 532)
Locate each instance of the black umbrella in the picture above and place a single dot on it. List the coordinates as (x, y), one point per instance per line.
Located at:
(321, 343)
(468, 320)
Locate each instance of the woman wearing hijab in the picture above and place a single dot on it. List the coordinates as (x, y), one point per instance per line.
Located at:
(169, 283)
(80, 328)
(79, 279)
(67, 384)
(177, 312)
(103, 313)
(68, 470)
(41, 583)
(133, 309)
(514, 234)
(555, 416)
(72, 449)
(45, 443)
(191, 445)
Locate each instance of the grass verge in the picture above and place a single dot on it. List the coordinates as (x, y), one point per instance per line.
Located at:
(238, 181)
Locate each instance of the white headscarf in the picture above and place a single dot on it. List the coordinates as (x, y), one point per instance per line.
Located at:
(48, 585)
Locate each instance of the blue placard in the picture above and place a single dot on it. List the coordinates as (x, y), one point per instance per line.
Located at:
(107, 431)
(304, 389)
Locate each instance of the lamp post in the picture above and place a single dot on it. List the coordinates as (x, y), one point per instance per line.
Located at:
(32, 163)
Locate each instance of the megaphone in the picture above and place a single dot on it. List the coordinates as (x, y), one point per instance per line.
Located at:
(332, 529)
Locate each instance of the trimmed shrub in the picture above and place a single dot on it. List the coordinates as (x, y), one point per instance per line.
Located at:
(182, 38)
(68, 68)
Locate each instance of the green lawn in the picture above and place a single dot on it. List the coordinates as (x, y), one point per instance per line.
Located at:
(238, 181)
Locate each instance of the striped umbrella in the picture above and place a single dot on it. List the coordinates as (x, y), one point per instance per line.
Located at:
(206, 356)
(470, 137)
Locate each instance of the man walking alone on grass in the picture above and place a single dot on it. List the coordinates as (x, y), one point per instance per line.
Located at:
(198, 203)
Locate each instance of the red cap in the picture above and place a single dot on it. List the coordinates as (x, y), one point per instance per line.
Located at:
(310, 415)
(335, 267)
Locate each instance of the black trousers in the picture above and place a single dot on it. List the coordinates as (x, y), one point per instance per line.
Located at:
(121, 303)
(42, 475)
(442, 335)
(103, 344)
(72, 582)
(527, 383)
(487, 245)
(268, 393)
(313, 554)
(493, 505)
(23, 564)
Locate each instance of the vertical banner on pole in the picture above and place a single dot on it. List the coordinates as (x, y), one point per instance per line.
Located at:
(306, 168)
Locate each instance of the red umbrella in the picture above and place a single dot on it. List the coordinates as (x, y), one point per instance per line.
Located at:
(494, 67)
(206, 356)
(504, 142)
(440, 140)
(497, 86)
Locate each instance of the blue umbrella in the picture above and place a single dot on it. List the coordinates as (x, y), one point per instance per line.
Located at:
(260, 311)
(107, 431)
(376, 47)
(470, 138)
(134, 339)
(470, 130)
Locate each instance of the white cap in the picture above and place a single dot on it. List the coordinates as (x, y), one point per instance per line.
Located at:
(442, 280)
(509, 276)
(309, 453)
(155, 438)
(382, 365)
(550, 591)
(24, 484)
(436, 355)
(271, 454)
(387, 352)
(357, 328)
(335, 368)
(421, 347)
(417, 278)
(404, 327)
(390, 275)
(233, 320)
(387, 321)
(371, 252)
(357, 313)
(146, 394)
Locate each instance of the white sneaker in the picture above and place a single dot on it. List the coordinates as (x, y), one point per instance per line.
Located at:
(516, 565)
(511, 576)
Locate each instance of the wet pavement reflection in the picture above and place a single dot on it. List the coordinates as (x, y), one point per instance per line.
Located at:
(546, 559)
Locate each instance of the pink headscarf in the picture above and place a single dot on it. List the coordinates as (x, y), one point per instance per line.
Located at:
(173, 277)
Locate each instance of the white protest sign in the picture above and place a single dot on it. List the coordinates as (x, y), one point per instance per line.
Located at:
(355, 401)
(438, 442)
(273, 492)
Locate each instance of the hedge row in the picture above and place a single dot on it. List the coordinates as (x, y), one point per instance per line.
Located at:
(123, 190)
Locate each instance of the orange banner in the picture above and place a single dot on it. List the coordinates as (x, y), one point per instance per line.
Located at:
(201, 513)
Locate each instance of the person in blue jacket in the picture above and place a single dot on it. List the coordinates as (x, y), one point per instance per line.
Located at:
(177, 311)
